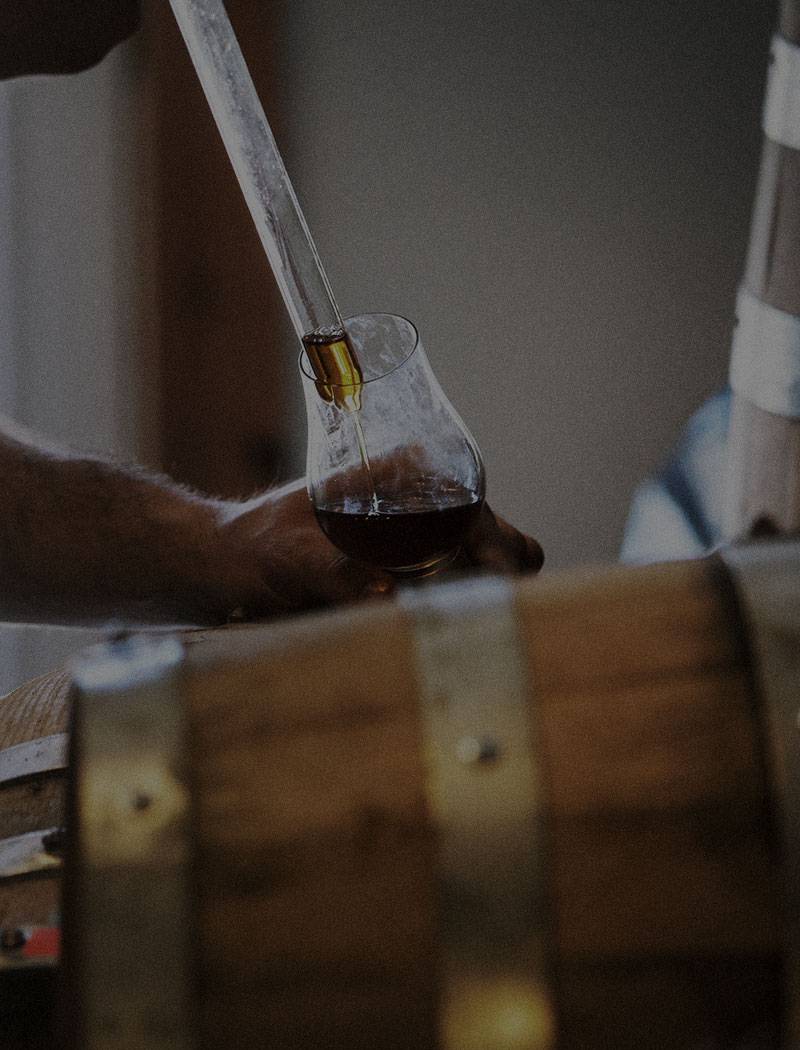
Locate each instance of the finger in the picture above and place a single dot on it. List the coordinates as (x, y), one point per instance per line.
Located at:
(288, 594)
(328, 577)
(532, 555)
(497, 545)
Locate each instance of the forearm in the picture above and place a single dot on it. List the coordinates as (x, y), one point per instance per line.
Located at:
(86, 541)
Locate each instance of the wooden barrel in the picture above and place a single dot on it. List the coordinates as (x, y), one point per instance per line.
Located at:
(33, 737)
(315, 917)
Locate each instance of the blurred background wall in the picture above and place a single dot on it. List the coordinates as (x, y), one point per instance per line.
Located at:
(77, 339)
(557, 192)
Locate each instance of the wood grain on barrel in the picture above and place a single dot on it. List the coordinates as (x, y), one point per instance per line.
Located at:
(35, 709)
(33, 803)
(316, 860)
(664, 876)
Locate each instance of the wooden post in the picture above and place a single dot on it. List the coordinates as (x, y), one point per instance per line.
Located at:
(227, 354)
(764, 445)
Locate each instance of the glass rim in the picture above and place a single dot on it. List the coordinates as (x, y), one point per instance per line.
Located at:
(364, 382)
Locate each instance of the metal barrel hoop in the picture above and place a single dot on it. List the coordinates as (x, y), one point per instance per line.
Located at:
(484, 792)
(133, 847)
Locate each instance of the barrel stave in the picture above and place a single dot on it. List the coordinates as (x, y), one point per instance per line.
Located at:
(665, 879)
(317, 910)
(682, 1002)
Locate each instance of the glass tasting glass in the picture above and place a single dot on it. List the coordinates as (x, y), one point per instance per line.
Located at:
(395, 478)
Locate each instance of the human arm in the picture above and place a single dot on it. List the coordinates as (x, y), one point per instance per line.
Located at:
(84, 540)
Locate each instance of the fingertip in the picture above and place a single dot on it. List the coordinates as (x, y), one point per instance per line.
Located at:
(494, 558)
(534, 555)
(499, 545)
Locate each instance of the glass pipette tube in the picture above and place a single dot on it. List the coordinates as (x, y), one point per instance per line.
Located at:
(240, 119)
(244, 128)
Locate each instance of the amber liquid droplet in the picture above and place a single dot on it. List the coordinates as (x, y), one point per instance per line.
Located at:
(337, 373)
(339, 380)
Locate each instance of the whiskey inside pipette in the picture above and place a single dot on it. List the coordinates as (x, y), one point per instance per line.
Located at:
(338, 375)
(339, 380)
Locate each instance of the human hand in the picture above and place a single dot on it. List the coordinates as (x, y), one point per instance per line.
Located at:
(496, 545)
(295, 567)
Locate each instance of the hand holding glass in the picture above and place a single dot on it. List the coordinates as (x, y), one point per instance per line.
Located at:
(395, 478)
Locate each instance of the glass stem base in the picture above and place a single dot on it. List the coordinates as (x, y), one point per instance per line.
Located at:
(428, 568)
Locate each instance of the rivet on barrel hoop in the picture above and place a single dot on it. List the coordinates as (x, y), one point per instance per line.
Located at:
(133, 846)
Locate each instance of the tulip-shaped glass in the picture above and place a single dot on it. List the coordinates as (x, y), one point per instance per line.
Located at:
(395, 478)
